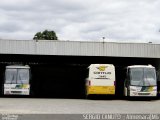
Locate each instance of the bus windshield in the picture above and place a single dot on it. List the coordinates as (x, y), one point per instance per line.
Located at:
(17, 76)
(143, 76)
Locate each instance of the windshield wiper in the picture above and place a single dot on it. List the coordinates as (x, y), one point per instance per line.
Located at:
(149, 82)
(138, 83)
(141, 81)
(20, 79)
(12, 79)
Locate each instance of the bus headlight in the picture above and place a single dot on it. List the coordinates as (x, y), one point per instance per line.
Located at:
(133, 88)
(155, 89)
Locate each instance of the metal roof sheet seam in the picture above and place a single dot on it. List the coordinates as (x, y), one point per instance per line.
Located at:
(80, 48)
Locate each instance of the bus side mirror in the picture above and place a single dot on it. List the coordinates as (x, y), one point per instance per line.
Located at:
(158, 76)
(125, 83)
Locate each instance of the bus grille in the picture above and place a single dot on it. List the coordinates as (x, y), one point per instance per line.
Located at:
(143, 93)
(16, 91)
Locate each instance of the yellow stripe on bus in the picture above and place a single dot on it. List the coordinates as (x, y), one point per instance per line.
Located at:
(110, 90)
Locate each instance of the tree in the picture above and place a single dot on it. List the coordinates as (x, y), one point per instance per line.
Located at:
(45, 35)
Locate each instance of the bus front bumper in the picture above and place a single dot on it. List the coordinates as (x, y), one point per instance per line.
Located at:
(103, 90)
(144, 94)
(16, 89)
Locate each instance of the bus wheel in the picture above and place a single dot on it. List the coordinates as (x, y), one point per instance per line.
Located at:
(85, 94)
(88, 96)
(32, 94)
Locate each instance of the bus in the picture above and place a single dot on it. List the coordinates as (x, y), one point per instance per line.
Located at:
(17, 80)
(140, 81)
(101, 80)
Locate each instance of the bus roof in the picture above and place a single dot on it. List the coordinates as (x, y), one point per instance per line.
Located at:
(17, 66)
(140, 66)
(97, 65)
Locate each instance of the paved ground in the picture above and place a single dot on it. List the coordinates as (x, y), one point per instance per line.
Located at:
(75, 106)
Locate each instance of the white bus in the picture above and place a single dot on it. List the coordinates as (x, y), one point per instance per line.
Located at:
(140, 81)
(16, 80)
(101, 80)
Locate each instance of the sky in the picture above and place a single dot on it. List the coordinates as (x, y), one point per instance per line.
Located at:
(82, 20)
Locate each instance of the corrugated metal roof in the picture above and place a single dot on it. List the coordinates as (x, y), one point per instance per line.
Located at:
(79, 48)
